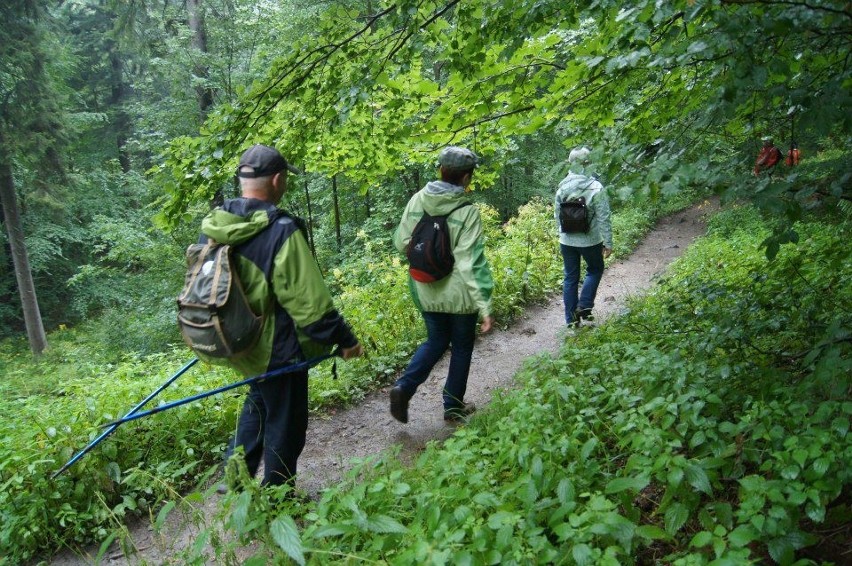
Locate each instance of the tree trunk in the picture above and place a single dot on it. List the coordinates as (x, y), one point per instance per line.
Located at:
(117, 95)
(368, 204)
(417, 185)
(23, 273)
(310, 220)
(199, 41)
(336, 212)
(203, 93)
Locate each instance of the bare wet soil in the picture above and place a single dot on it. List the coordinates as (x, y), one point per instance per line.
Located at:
(368, 428)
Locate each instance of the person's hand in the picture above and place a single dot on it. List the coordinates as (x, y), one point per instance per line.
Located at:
(607, 252)
(355, 351)
(486, 325)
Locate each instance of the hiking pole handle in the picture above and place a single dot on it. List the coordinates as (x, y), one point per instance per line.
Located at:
(273, 373)
(134, 410)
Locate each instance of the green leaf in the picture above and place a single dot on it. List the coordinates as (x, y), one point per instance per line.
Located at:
(800, 456)
(239, 514)
(821, 466)
(697, 478)
(816, 513)
(332, 531)
(675, 477)
(582, 554)
(104, 547)
(286, 535)
(200, 542)
(621, 484)
(781, 550)
(676, 517)
(565, 491)
(486, 499)
(702, 538)
(743, 535)
(500, 518)
(697, 439)
(385, 524)
(652, 532)
(163, 515)
(588, 448)
(563, 531)
(840, 425)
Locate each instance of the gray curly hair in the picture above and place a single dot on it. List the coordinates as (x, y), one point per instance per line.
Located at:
(579, 155)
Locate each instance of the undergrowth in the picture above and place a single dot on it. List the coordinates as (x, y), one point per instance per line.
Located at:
(55, 406)
(708, 425)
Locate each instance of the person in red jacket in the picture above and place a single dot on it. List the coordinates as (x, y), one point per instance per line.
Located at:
(768, 157)
(792, 155)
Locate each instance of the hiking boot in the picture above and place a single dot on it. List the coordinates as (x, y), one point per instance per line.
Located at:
(459, 414)
(582, 314)
(399, 404)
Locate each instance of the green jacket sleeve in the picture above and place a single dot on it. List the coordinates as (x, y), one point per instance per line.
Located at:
(473, 268)
(409, 220)
(301, 291)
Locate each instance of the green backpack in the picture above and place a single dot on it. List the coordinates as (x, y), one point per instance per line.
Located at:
(214, 315)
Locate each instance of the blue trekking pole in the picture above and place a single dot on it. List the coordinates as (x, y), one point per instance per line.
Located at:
(133, 411)
(274, 373)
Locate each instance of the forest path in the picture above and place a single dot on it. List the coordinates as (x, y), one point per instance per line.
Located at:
(368, 429)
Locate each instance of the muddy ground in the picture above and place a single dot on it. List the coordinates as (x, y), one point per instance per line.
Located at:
(368, 429)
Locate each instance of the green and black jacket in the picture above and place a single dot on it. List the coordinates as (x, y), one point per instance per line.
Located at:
(468, 288)
(282, 282)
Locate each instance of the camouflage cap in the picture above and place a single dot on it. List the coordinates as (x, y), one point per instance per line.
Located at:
(458, 158)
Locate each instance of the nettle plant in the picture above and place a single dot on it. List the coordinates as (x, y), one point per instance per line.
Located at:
(140, 465)
(147, 461)
(657, 437)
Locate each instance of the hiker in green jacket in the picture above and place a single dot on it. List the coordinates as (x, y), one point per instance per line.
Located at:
(450, 306)
(283, 284)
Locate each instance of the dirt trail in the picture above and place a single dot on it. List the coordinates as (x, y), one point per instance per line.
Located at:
(368, 429)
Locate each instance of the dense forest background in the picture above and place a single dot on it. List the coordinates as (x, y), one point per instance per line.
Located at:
(94, 92)
(119, 113)
(709, 425)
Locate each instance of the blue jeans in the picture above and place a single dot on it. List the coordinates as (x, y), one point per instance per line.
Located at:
(593, 256)
(442, 330)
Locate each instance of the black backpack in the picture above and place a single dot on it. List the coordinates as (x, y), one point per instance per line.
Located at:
(214, 315)
(429, 252)
(574, 216)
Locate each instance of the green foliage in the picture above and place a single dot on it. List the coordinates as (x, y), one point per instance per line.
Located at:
(138, 466)
(64, 399)
(527, 266)
(656, 88)
(663, 436)
(130, 284)
(371, 288)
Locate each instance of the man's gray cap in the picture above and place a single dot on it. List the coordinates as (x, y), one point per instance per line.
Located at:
(458, 158)
(265, 161)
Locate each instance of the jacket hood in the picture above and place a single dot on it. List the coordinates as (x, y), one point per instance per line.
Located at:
(238, 220)
(579, 182)
(440, 197)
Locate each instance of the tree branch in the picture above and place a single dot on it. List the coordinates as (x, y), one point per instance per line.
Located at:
(325, 51)
(846, 13)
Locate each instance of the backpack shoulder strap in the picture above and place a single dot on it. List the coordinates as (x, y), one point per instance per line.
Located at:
(462, 205)
(578, 191)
